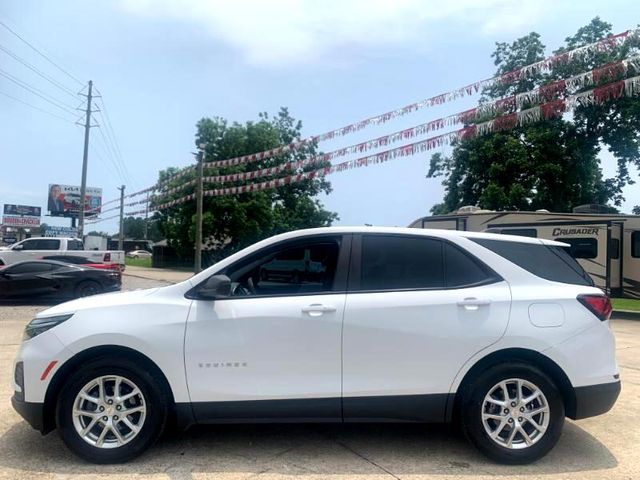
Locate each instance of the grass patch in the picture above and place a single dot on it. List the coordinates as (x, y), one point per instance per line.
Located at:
(138, 262)
(626, 304)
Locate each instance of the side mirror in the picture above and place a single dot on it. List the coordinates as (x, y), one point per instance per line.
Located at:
(18, 247)
(216, 287)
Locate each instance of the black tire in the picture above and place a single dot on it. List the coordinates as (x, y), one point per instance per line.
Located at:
(86, 288)
(472, 404)
(156, 402)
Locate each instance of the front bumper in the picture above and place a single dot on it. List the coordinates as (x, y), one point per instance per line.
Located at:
(33, 413)
(595, 399)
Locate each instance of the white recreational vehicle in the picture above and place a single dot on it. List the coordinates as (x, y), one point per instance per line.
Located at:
(606, 245)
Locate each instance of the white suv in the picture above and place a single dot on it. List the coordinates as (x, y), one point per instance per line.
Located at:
(506, 335)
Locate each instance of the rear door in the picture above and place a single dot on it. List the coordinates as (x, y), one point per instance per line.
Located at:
(417, 308)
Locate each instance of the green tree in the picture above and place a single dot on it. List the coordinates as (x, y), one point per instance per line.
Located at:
(554, 163)
(235, 221)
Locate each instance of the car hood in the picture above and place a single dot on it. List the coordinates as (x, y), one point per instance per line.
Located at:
(98, 301)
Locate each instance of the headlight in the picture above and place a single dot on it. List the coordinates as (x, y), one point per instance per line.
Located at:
(40, 325)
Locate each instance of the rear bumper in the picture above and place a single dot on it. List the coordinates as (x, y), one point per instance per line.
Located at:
(33, 413)
(595, 399)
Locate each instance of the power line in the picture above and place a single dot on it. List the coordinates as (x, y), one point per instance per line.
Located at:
(41, 54)
(111, 136)
(37, 108)
(48, 78)
(109, 155)
(45, 96)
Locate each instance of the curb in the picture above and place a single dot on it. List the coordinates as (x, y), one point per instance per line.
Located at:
(147, 278)
(625, 315)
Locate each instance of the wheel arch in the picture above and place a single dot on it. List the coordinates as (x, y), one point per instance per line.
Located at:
(520, 355)
(65, 370)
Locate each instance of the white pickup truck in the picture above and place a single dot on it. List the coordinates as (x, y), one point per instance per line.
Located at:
(57, 249)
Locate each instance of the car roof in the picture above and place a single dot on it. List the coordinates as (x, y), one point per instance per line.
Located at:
(446, 234)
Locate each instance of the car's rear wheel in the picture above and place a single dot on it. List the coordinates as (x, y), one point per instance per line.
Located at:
(110, 411)
(87, 288)
(513, 413)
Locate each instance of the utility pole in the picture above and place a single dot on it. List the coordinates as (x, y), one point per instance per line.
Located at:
(85, 158)
(121, 232)
(197, 267)
(146, 217)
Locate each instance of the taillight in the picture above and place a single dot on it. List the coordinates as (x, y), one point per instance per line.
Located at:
(107, 257)
(599, 305)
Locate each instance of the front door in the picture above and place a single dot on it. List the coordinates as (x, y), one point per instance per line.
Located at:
(417, 309)
(273, 349)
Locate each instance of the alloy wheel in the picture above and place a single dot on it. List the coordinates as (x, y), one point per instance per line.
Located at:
(109, 411)
(515, 413)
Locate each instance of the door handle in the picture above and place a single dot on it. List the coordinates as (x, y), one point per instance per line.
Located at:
(317, 309)
(472, 303)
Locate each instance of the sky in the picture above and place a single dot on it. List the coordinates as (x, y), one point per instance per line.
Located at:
(162, 65)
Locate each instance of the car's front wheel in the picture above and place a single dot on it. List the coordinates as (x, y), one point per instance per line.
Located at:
(110, 411)
(513, 413)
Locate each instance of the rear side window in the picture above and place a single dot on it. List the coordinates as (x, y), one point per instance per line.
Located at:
(462, 270)
(581, 247)
(74, 245)
(401, 263)
(545, 261)
(395, 262)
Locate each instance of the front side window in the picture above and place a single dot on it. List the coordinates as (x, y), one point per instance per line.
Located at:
(396, 262)
(581, 247)
(29, 245)
(303, 268)
(31, 267)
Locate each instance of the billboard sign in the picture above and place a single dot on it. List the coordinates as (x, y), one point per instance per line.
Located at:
(21, 215)
(22, 210)
(53, 231)
(13, 221)
(64, 200)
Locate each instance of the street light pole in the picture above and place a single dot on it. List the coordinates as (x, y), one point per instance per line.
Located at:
(121, 232)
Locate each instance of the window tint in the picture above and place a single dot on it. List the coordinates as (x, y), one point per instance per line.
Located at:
(48, 244)
(31, 267)
(521, 232)
(69, 259)
(29, 245)
(581, 247)
(74, 245)
(461, 269)
(545, 261)
(300, 269)
(395, 262)
(614, 249)
(635, 244)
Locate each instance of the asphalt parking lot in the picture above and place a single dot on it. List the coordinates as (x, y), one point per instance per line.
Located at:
(602, 447)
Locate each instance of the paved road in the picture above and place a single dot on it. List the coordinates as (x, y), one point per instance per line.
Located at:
(601, 447)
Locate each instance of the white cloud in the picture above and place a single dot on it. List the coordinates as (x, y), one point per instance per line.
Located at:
(277, 32)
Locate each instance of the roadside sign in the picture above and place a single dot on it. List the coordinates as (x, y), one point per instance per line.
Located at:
(53, 231)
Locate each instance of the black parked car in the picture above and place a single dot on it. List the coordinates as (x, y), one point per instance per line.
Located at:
(52, 278)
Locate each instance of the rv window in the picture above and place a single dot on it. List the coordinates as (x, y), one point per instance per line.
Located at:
(581, 247)
(614, 249)
(521, 232)
(545, 261)
(635, 244)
